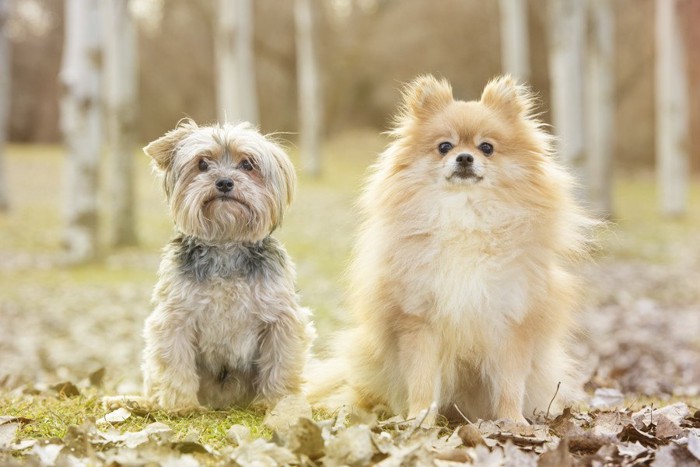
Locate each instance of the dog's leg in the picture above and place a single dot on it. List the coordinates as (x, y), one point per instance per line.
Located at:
(509, 368)
(282, 355)
(419, 359)
(169, 364)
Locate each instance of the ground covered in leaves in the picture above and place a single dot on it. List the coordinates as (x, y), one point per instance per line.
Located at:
(71, 335)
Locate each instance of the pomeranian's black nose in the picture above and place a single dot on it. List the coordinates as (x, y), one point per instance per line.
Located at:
(224, 185)
(465, 160)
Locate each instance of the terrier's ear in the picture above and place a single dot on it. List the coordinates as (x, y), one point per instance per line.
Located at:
(504, 95)
(425, 96)
(287, 177)
(162, 149)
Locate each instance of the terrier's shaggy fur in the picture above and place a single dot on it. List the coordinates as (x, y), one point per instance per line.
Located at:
(227, 328)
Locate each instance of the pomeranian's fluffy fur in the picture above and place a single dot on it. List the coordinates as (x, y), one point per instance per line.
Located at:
(461, 291)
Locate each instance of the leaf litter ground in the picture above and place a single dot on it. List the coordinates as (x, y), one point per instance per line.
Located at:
(642, 345)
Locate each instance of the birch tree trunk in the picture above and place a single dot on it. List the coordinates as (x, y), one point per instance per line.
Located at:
(515, 50)
(4, 98)
(600, 105)
(236, 95)
(566, 25)
(672, 113)
(121, 110)
(308, 90)
(81, 125)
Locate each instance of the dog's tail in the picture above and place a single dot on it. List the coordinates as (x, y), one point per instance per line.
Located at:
(327, 385)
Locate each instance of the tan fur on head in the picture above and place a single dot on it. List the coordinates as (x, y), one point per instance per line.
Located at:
(255, 206)
(462, 290)
(510, 99)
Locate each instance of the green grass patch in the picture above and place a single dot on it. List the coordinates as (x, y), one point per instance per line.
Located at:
(51, 417)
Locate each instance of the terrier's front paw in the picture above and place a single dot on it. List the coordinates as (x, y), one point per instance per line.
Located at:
(178, 403)
(135, 404)
(188, 410)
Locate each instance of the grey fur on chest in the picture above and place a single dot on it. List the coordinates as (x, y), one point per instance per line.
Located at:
(199, 261)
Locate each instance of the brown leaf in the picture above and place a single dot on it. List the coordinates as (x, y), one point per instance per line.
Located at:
(666, 428)
(609, 424)
(675, 412)
(470, 436)
(77, 441)
(305, 438)
(66, 389)
(564, 426)
(352, 446)
(187, 447)
(287, 412)
(588, 442)
(517, 458)
(97, 377)
(559, 457)
(631, 433)
(11, 419)
(453, 455)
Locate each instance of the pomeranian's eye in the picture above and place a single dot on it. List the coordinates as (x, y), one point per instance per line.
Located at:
(486, 148)
(246, 165)
(203, 165)
(445, 147)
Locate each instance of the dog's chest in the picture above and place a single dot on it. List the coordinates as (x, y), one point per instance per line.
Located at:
(224, 290)
(475, 265)
(227, 323)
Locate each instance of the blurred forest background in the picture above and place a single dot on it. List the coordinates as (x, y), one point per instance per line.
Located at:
(365, 48)
(619, 81)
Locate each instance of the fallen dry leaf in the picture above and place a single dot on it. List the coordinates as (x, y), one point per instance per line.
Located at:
(66, 389)
(115, 417)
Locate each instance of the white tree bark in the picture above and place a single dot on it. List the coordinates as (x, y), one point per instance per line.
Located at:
(566, 26)
(515, 50)
(308, 90)
(672, 113)
(4, 98)
(121, 111)
(236, 95)
(600, 105)
(81, 125)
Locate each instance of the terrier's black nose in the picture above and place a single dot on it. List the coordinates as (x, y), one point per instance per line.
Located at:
(224, 185)
(465, 160)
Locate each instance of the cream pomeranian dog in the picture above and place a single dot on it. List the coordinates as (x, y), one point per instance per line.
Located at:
(461, 292)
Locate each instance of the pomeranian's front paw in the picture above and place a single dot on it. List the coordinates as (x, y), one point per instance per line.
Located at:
(424, 417)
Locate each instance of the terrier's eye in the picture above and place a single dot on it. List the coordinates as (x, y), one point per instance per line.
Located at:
(445, 147)
(203, 165)
(246, 165)
(486, 148)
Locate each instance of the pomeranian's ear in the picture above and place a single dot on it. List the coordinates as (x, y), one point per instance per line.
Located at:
(162, 149)
(506, 96)
(425, 96)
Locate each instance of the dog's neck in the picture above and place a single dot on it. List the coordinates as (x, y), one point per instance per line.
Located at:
(201, 261)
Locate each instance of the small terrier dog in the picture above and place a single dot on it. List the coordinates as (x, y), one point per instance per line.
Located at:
(461, 290)
(227, 328)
